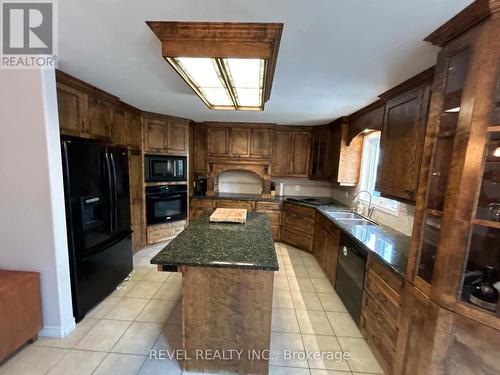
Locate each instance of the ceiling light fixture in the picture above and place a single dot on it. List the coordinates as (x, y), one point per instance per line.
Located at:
(230, 66)
(496, 153)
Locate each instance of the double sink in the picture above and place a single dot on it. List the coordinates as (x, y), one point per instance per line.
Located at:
(351, 218)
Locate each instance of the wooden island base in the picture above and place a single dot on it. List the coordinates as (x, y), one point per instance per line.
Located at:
(226, 310)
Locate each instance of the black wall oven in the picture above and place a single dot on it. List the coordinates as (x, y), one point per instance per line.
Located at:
(166, 203)
(164, 168)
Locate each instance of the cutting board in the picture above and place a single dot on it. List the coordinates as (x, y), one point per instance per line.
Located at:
(229, 215)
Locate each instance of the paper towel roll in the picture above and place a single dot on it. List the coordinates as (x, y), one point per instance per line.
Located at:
(282, 189)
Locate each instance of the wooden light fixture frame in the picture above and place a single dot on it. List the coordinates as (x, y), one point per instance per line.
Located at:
(221, 40)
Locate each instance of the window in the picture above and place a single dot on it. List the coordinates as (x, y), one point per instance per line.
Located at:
(369, 165)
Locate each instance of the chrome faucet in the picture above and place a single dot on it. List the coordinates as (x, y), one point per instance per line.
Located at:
(370, 207)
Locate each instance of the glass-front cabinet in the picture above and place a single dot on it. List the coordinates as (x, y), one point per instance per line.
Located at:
(455, 252)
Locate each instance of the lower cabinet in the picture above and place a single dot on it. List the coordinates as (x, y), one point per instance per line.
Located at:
(298, 226)
(273, 212)
(326, 246)
(198, 207)
(381, 311)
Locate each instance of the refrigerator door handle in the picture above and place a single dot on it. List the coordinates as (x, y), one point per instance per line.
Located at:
(109, 183)
(115, 192)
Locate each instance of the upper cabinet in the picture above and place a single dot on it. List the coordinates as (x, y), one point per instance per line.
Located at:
(218, 141)
(320, 158)
(199, 151)
(239, 142)
(99, 117)
(88, 112)
(236, 140)
(72, 106)
(291, 151)
(165, 134)
(403, 132)
(177, 139)
(84, 110)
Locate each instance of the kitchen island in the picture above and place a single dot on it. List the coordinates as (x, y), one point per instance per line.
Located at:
(227, 288)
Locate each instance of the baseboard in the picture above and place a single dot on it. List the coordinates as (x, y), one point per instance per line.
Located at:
(58, 331)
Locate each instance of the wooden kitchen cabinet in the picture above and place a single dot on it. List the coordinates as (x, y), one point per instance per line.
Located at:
(177, 139)
(273, 210)
(155, 135)
(200, 149)
(99, 118)
(320, 145)
(136, 179)
(262, 142)
(239, 142)
(218, 141)
(72, 107)
(134, 131)
(298, 224)
(326, 246)
(402, 139)
(291, 151)
(381, 312)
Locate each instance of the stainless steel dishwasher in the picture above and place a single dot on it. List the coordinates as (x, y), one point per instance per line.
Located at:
(351, 276)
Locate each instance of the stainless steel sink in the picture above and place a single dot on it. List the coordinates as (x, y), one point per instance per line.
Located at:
(346, 215)
(361, 221)
(351, 218)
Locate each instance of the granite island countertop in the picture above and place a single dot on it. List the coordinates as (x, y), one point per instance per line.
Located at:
(390, 246)
(206, 244)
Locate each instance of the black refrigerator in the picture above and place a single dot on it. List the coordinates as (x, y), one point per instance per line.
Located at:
(96, 184)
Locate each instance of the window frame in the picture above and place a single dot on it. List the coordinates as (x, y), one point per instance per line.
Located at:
(370, 161)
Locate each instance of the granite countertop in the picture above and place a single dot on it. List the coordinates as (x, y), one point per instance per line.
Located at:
(206, 244)
(390, 246)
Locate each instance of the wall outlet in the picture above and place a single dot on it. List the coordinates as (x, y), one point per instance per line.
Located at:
(297, 187)
(347, 194)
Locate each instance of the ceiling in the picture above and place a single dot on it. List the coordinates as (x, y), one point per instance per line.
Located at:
(335, 56)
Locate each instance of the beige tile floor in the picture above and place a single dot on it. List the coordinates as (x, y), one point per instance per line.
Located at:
(145, 313)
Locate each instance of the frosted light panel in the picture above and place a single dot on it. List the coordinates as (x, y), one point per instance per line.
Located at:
(248, 97)
(201, 70)
(246, 73)
(217, 96)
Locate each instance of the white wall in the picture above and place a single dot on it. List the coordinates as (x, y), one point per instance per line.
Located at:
(242, 182)
(32, 217)
(304, 188)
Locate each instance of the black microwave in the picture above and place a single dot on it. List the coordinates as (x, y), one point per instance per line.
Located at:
(164, 168)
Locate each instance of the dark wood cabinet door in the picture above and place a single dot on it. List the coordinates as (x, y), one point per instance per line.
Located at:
(99, 118)
(134, 131)
(218, 141)
(401, 144)
(300, 154)
(319, 153)
(119, 129)
(71, 104)
(239, 142)
(281, 153)
(200, 149)
(177, 139)
(333, 154)
(261, 146)
(155, 135)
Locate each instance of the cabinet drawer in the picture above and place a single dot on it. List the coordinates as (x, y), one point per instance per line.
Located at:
(296, 238)
(274, 217)
(301, 211)
(268, 206)
(228, 203)
(196, 212)
(376, 341)
(383, 295)
(385, 322)
(391, 278)
(202, 203)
